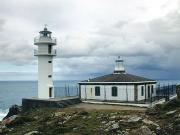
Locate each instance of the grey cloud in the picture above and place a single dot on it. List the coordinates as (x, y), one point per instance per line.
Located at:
(89, 51)
(18, 53)
(2, 23)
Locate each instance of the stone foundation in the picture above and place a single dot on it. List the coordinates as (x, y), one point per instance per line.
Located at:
(31, 103)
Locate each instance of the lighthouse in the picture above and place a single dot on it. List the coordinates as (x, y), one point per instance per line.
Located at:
(45, 53)
(119, 67)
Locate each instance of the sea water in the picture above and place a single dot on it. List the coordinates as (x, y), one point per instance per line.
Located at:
(12, 92)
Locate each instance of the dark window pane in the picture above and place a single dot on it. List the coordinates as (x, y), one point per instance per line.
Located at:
(97, 91)
(114, 91)
(142, 90)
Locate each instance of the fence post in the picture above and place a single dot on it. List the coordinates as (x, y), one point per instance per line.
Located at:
(66, 90)
(158, 91)
(77, 93)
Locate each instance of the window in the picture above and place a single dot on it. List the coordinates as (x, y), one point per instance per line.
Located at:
(49, 49)
(97, 91)
(49, 76)
(142, 90)
(50, 61)
(114, 91)
(152, 88)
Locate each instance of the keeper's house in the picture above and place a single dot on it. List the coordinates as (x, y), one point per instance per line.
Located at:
(118, 87)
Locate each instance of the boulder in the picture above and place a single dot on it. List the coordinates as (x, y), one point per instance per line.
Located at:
(134, 119)
(9, 120)
(143, 130)
(178, 91)
(32, 133)
(83, 113)
(171, 112)
(115, 126)
(13, 110)
(149, 122)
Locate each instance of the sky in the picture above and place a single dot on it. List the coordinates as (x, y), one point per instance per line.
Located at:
(91, 34)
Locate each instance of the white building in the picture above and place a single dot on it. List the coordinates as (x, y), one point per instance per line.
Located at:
(118, 87)
(45, 54)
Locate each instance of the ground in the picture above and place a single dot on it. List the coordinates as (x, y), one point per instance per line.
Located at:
(106, 107)
(91, 119)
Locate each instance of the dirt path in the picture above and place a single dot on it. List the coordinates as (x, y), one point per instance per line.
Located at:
(106, 107)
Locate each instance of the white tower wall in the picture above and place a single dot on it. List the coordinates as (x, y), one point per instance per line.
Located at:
(44, 80)
(45, 55)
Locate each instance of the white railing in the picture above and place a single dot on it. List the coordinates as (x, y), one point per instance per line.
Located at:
(40, 40)
(37, 52)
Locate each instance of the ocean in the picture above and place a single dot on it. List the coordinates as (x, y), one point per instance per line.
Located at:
(12, 92)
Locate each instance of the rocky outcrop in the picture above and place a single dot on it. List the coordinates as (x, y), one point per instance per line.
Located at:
(143, 130)
(82, 121)
(178, 91)
(32, 133)
(13, 110)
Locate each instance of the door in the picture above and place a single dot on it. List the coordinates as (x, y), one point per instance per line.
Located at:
(50, 92)
(135, 93)
(149, 92)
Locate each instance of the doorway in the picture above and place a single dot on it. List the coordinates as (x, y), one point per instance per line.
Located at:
(149, 92)
(50, 92)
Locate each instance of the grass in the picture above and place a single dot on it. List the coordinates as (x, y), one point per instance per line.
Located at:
(72, 121)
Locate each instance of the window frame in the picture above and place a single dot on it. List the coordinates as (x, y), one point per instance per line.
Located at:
(114, 91)
(97, 91)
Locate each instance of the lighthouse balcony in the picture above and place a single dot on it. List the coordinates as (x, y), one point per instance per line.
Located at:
(41, 53)
(45, 40)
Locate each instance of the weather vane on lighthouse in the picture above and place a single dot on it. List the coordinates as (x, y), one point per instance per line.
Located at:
(45, 54)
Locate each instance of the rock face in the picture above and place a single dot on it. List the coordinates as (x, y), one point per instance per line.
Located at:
(149, 122)
(143, 130)
(13, 110)
(134, 119)
(178, 91)
(170, 112)
(32, 133)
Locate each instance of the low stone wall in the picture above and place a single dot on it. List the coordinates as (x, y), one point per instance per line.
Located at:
(30, 103)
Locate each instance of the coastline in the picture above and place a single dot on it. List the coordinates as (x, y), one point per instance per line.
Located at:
(3, 113)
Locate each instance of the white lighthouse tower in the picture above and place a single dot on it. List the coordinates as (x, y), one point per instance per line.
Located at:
(45, 54)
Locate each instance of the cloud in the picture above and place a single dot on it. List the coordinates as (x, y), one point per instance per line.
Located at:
(2, 23)
(19, 53)
(92, 33)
